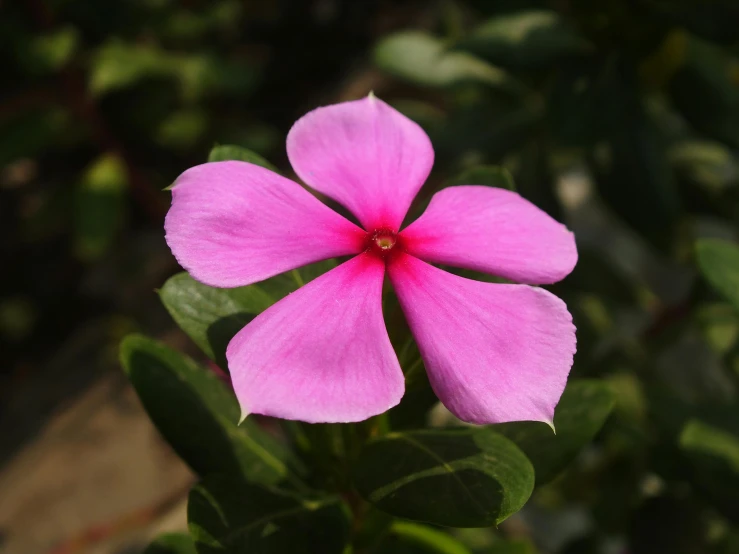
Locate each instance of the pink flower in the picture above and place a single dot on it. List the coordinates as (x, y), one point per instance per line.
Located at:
(493, 352)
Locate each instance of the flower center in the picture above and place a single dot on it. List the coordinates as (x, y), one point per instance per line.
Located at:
(385, 242)
(381, 241)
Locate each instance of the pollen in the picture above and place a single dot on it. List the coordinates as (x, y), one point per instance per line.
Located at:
(385, 242)
(382, 241)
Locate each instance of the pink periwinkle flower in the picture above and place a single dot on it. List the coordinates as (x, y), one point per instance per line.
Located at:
(493, 352)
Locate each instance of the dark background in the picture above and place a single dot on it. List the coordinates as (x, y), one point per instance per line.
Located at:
(619, 117)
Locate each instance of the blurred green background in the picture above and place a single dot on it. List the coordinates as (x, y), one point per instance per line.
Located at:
(618, 117)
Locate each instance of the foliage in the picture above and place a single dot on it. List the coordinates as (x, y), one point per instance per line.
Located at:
(619, 118)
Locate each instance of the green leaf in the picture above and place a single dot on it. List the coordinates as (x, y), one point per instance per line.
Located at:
(211, 316)
(406, 537)
(515, 546)
(230, 152)
(217, 17)
(703, 439)
(99, 206)
(197, 414)
(581, 412)
(50, 51)
(488, 175)
(718, 261)
(230, 516)
(423, 59)
(705, 93)
(706, 164)
(524, 39)
(714, 453)
(182, 129)
(454, 477)
(719, 325)
(172, 543)
(117, 65)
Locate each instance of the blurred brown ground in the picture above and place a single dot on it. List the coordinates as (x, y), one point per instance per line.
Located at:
(97, 478)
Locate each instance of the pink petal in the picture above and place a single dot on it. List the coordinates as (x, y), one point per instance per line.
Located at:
(494, 231)
(321, 354)
(234, 223)
(494, 353)
(365, 155)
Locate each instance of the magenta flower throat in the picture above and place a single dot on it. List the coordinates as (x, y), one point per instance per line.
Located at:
(493, 352)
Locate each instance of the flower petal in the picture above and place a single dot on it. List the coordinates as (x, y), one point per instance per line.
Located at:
(321, 354)
(365, 155)
(495, 231)
(235, 223)
(494, 353)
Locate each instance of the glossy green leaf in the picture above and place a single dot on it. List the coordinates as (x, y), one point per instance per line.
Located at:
(230, 516)
(584, 407)
(523, 39)
(424, 59)
(212, 316)
(172, 543)
(472, 477)
(230, 152)
(197, 414)
(488, 175)
(99, 205)
(718, 260)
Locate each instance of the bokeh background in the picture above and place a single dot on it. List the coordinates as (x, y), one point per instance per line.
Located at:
(619, 117)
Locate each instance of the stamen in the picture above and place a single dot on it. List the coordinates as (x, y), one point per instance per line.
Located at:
(385, 242)
(382, 241)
